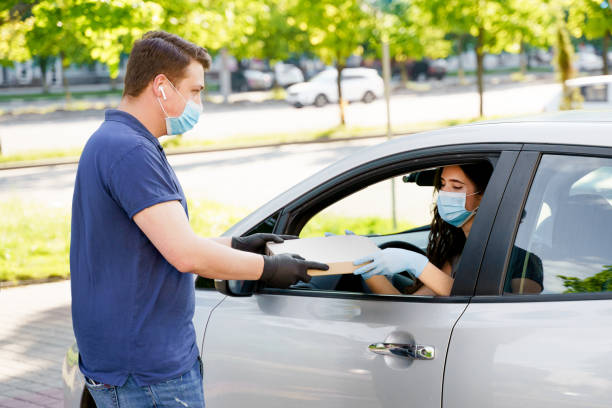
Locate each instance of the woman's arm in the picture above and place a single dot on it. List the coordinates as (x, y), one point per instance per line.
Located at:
(380, 285)
(447, 269)
(438, 281)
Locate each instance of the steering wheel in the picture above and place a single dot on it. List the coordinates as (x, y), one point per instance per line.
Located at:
(402, 245)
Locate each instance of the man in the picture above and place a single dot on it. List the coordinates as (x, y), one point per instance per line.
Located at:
(133, 253)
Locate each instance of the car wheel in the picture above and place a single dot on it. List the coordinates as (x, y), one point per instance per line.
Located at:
(368, 97)
(298, 105)
(320, 100)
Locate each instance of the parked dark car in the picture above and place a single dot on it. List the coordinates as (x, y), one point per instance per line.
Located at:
(427, 69)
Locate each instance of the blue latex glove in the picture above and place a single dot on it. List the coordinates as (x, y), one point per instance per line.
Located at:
(390, 261)
(346, 232)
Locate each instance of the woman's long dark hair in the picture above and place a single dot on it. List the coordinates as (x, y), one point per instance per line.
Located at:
(446, 241)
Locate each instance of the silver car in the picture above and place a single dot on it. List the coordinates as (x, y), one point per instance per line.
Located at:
(331, 343)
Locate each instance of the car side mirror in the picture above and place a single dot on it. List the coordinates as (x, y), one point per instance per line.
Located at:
(236, 288)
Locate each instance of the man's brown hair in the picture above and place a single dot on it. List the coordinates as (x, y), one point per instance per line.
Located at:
(159, 52)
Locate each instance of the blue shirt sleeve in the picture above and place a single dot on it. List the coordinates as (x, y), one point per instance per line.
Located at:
(141, 179)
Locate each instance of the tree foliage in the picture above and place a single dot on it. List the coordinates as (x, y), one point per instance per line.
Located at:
(600, 282)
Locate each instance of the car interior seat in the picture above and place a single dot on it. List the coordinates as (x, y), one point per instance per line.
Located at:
(583, 230)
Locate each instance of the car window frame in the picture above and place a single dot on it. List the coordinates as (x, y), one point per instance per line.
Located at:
(311, 203)
(489, 288)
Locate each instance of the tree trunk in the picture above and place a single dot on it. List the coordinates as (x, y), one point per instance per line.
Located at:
(43, 63)
(606, 44)
(340, 99)
(524, 58)
(64, 79)
(480, 68)
(404, 73)
(460, 70)
(563, 60)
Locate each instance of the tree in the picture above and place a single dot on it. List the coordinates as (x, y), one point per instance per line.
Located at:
(490, 22)
(336, 30)
(13, 29)
(113, 26)
(530, 25)
(410, 32)
(592, 19)
(56, 30)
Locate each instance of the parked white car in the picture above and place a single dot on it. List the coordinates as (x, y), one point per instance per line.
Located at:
(287, 74)
(258, 79)
(596, 92)
(588, 61)
(358, 84)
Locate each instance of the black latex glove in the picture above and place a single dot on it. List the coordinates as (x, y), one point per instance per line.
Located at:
(257, 242)
(282, 271)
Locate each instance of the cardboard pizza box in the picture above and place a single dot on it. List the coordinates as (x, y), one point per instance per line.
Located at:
(338, 251)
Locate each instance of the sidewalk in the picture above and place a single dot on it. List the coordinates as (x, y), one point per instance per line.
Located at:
(35, 332)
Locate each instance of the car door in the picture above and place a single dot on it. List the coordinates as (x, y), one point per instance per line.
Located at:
(352, 86)
(537, 333)
(336, 348)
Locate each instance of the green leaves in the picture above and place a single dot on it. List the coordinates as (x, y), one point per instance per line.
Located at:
(590, 18)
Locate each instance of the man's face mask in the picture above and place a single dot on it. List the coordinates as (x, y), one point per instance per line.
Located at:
(451, 207)
(187, 120)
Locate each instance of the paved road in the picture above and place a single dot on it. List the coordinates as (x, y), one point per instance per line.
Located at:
(226, 177)
(56, 132)
(35, 332)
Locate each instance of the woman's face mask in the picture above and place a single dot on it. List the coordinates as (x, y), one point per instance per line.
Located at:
(186, 121)
(451, 207)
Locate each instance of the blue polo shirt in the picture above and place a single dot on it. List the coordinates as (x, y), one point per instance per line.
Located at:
(131, 310)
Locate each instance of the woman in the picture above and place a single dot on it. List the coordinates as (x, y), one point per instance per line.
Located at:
(460, 189)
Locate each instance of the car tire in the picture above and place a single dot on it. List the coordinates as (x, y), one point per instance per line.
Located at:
(298, 105)
(368, 97)
(321, 100)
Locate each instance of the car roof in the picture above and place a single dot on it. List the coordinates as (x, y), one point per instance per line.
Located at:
(586, 128)
(590, 80)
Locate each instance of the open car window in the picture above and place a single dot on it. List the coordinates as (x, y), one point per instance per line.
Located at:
(372, 211)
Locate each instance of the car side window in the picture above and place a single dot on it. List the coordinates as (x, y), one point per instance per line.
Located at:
(564, 241)
(595, 93)
(369, 211)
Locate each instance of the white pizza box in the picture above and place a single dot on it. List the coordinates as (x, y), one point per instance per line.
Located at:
(337, 251)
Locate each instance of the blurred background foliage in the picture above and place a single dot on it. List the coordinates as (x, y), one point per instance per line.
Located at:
(84, 31)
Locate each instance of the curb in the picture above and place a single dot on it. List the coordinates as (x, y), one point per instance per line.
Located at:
(192, 150)
(14, 284)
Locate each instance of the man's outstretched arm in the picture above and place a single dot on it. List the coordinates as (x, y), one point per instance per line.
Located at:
(167, 227)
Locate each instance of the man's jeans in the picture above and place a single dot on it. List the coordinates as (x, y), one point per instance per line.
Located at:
(182, 392)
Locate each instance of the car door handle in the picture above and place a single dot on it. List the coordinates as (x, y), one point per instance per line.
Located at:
(415, 351)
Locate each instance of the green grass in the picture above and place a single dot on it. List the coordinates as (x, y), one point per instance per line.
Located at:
(336, 224)
(35, 240)
(34, 155)
(58, 95)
